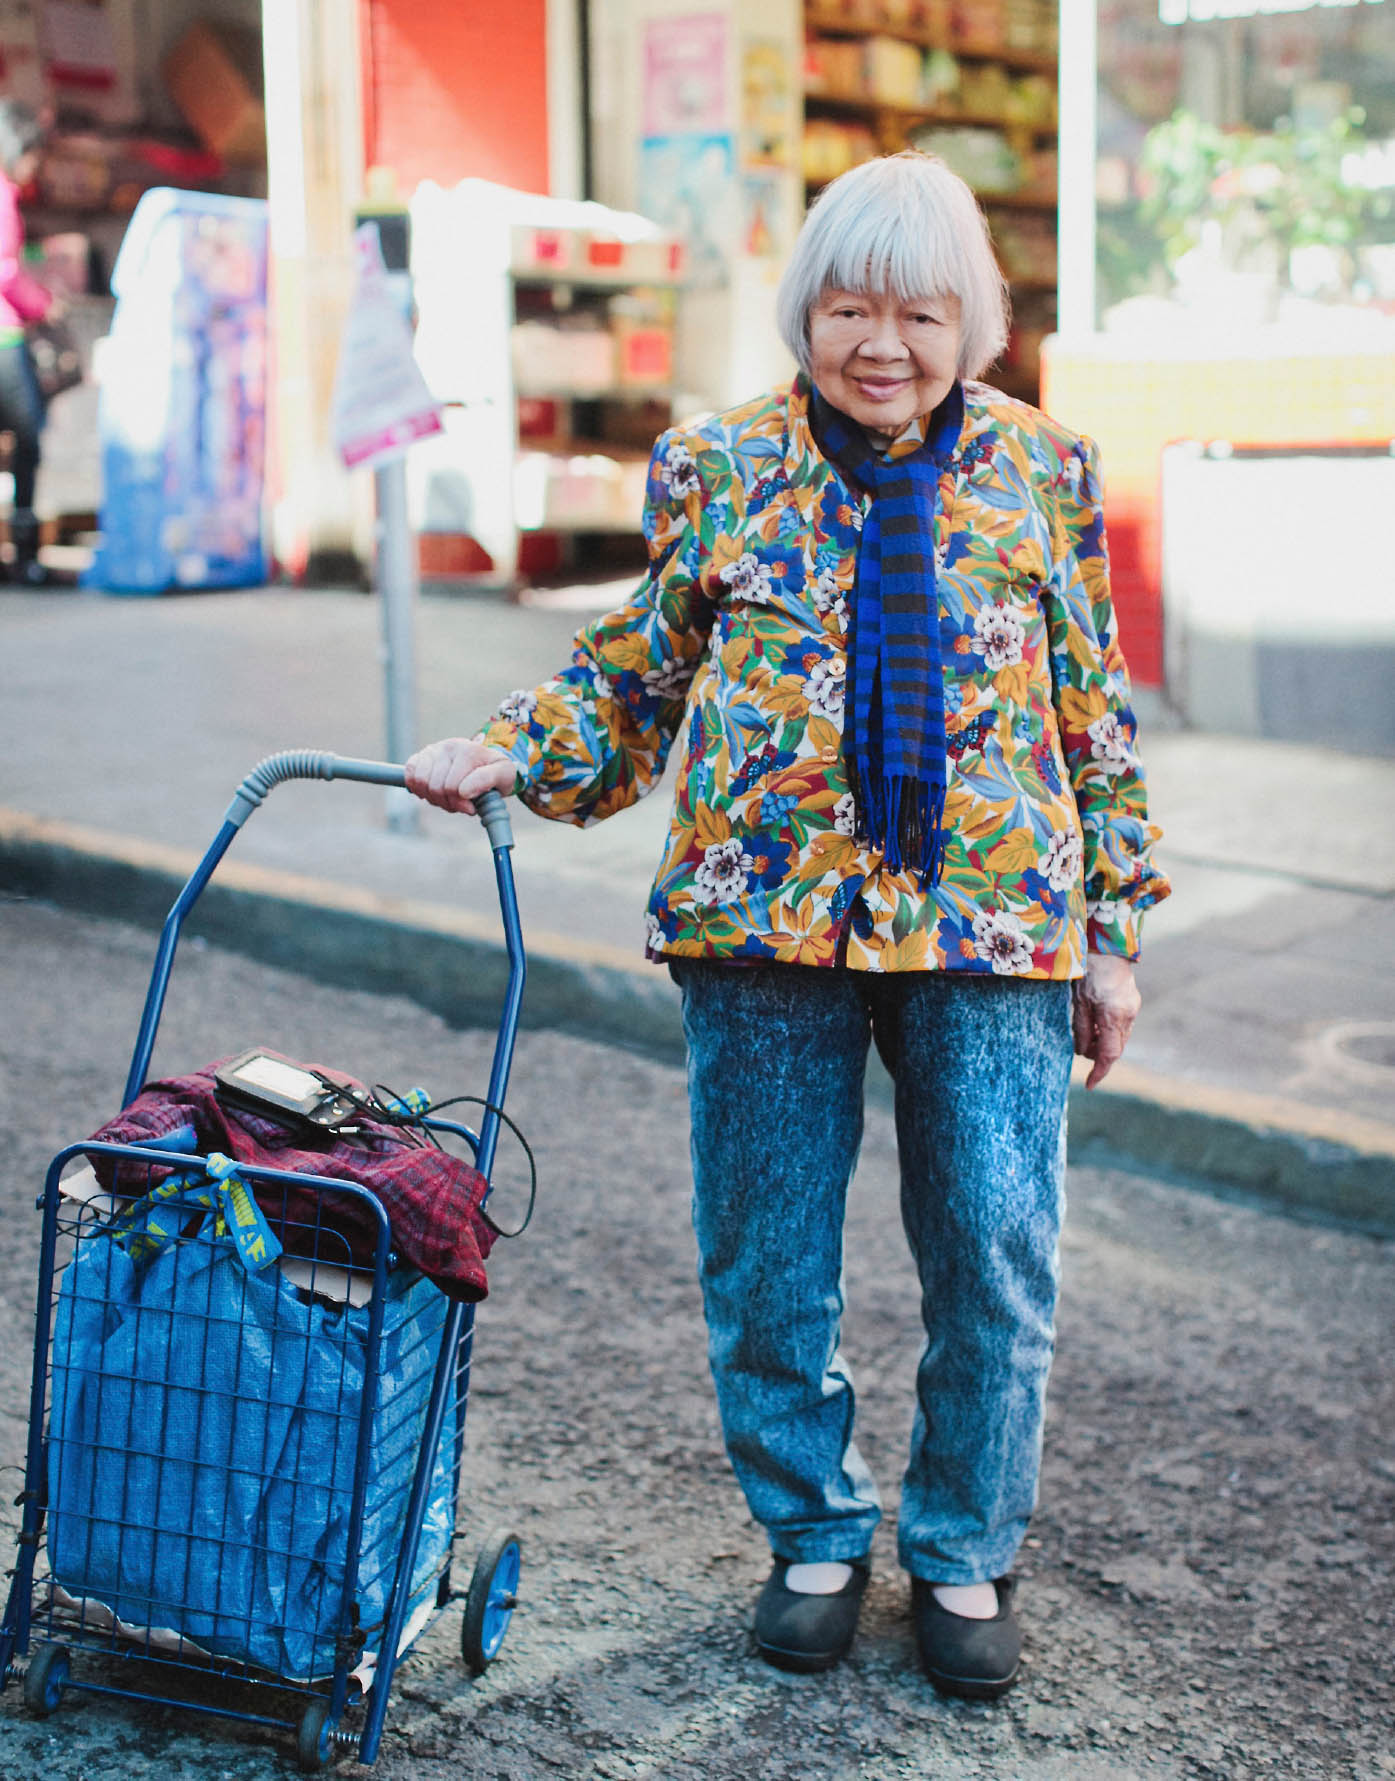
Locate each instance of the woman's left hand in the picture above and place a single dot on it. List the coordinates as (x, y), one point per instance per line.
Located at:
(1106, 1005)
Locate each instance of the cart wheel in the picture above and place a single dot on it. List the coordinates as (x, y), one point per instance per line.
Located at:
(492, 1598)
(44, 1679)
(315, 1746)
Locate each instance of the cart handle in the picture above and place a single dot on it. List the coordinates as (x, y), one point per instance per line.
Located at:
(309, 763)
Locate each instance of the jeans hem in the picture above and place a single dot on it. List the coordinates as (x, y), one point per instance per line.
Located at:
(931, 1570)
(824, 1551)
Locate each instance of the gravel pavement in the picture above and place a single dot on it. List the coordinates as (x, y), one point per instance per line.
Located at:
(1207, 1588)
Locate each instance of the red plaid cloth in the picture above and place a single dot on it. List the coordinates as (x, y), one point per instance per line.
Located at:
(433, 1201)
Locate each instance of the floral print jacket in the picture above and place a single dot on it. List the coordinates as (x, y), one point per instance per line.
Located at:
(737, 638)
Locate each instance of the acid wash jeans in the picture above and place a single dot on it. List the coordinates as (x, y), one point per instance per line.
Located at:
(776, 1055)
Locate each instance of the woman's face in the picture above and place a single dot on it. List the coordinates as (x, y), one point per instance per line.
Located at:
(884, 361)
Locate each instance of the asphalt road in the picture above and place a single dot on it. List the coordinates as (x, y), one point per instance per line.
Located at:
(1207, 1589)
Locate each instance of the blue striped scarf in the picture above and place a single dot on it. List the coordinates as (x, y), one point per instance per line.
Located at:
(897, 766)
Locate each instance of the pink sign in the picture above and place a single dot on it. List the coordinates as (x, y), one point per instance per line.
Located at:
(381, 402)
(685, 74)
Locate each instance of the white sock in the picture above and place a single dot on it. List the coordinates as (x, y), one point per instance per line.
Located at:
(974, 1601)
(825, 1578)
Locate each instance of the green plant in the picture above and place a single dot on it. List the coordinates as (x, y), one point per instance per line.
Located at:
(1269, 191)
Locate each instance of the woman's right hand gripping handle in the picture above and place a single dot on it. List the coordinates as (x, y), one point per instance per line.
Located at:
(451, 774)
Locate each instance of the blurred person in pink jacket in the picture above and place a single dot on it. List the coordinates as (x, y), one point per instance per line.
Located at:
(22, 300)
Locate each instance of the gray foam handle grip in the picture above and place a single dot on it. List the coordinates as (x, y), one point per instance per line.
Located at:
(493, 811)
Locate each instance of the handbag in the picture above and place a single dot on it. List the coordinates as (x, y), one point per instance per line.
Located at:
(57, 356)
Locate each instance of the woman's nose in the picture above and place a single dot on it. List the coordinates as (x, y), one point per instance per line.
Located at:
(883, 339)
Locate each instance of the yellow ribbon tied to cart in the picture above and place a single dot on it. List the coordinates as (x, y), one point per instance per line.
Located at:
(162, 1215)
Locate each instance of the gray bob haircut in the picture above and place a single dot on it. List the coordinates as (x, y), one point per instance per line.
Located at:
(903, 226)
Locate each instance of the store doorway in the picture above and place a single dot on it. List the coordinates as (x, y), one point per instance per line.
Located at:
(138, 94)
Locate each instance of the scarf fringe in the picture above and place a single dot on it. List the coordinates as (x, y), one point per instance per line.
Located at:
(904, 819)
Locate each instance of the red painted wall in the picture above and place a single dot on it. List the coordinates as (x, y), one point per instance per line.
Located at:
(456, 89)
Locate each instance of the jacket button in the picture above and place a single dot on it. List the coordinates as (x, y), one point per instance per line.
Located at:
(829, 754)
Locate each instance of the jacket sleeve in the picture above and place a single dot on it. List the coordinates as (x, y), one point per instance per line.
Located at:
(29, 299)
(1097, 724)
(595, 737)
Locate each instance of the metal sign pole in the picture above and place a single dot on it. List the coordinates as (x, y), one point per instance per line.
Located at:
(397, 589)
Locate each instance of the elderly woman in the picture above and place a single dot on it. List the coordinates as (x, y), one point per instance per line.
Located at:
(909, 810)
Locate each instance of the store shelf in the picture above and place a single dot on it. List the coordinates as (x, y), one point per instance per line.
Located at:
(1016, 201)
(1007, 200)
(1013, 170)
(577, 528)
(1021, 61)
(614, 393)
(596, 280)
(885, 115)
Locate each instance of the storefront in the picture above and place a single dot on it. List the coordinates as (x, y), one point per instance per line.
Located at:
(1234, 354)
(1230, 284)
(141, 94)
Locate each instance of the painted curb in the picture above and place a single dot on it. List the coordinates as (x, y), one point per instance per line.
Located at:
(1312, 1162)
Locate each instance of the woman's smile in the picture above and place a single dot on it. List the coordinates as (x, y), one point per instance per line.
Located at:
(881, 359)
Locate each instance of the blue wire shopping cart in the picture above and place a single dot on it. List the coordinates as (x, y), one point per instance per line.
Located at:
(241, 1480)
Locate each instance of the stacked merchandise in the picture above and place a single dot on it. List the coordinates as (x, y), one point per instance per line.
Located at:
(887, 71)
(103, 155)
(588, 368)
(972, 81)
(127, 120)
(182, 410)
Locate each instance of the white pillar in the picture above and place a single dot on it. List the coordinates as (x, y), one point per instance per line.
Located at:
(314, 130)
(1077, 147)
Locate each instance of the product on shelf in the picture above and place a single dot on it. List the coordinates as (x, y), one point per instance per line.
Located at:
(214, 75)
(982, 157)
(1031, 101)
(643, 331)
(589, 491)
(617, 340)
(892, 71)
(1026, 245)
(980, 24)
(935, 18)
(940, 81)
(985, 91)
(1033, 318)
(835, 66)
(573, 355)
(1042, 169)
(106, 171)
(1031, 26)
(584, 254)
(831, 147)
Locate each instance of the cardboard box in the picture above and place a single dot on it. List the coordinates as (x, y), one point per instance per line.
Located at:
(214, 76)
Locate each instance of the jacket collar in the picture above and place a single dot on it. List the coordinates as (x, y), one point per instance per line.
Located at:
(805, 464)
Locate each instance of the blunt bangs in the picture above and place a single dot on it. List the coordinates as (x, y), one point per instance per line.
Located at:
(902, 226)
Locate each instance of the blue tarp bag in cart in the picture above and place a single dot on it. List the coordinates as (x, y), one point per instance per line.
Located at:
(202, 1443)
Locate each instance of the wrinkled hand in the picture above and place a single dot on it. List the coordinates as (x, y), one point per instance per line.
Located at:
(452, 773)
(1106, 1005)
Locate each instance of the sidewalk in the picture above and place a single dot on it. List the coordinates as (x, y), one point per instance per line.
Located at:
(1265, 1057)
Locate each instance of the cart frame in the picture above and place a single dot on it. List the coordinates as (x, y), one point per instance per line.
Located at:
(319, 1736)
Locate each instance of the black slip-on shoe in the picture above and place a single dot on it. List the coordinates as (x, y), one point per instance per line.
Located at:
(975, 1659)
(807, 1632)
